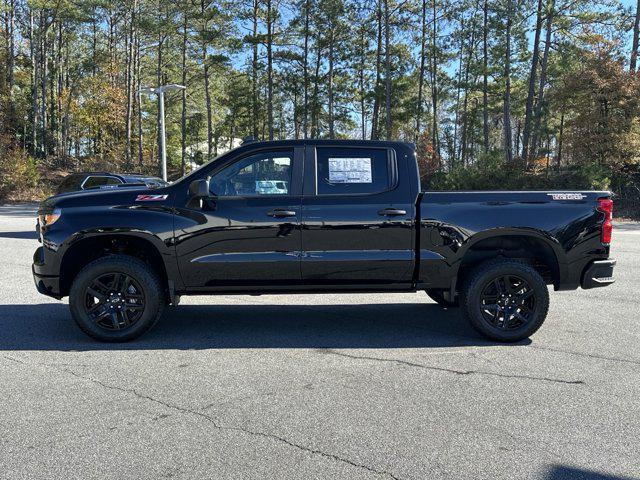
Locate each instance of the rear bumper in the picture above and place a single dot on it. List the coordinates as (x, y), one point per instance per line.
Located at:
(598, 273)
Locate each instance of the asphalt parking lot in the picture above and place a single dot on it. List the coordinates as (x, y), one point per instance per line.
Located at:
(325, 386)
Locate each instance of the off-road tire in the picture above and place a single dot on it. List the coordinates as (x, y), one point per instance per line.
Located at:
(478, 281)
(144, 276)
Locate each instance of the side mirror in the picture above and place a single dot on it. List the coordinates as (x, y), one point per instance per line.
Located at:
(199, 189)
(199, 195)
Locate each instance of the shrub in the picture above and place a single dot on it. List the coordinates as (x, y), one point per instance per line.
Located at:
(19, 176)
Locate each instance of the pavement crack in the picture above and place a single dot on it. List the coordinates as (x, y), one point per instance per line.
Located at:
(216, 425)
(588, 355)
(12, 359)
(451, 370)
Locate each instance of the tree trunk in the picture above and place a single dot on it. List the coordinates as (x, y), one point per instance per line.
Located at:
(34, 85)
(254, 71)
(270, 68)
(543, 77)
(560, 135)
(485, 76)
(315, 121)
(458, 88)
(159, 82)
(376, 92)
(305, 67)
(94, 44)
(130, 54)
(463, 141)
(434, 84)
(387, 69)
(138, 100)
(330, 86)
(183, 119)
(58, 93)
(532, 85)
(507, 89)
(207, 93)
(10, 32)
(636, 33)
(43, 84)
(423, 54)
(296, 109)
(361, 82)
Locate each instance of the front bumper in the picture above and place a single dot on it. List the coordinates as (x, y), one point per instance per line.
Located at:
(598, 273)
(46, 283)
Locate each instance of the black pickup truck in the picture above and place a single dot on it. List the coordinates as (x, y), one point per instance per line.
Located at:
(318, 216)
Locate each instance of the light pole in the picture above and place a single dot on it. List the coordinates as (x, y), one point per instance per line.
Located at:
(159, 91)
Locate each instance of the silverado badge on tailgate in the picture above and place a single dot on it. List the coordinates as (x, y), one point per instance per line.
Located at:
(567, 196)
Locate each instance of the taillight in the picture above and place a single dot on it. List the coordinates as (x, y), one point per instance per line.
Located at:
(605, 205)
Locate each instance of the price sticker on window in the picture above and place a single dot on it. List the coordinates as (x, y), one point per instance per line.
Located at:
(350, 170)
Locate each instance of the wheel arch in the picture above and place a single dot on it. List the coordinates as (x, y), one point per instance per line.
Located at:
(541, 251)
(91, 247)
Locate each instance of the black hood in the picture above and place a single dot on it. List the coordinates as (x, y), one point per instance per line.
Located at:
(112, 196)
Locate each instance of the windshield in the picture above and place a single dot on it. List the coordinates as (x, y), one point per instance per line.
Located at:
(188, 177)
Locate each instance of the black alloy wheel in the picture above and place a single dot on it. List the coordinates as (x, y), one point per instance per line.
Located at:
(508, 302)
(114, 301)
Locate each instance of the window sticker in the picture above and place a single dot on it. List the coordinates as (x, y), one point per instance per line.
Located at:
(350, 170)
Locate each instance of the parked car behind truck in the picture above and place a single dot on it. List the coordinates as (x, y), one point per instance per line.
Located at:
(352, 218)
(92, 180)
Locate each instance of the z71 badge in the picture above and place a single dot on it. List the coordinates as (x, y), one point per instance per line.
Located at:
(151, 198)
(567, 196)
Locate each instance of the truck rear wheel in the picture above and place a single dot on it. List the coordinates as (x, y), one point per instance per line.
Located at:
(505, 300)
(116, 298)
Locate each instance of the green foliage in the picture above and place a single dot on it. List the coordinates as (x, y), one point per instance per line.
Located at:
(410, 70)
(491, 172)
(603, 103)
(19, 177)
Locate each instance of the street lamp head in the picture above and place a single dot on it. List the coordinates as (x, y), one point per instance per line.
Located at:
(169, 87)
(162, 89)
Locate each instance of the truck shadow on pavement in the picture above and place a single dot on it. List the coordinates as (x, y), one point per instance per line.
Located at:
(25, 235)
(403, 325)
(561, 472)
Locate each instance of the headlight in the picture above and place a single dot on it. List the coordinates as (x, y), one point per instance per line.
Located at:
(50, 218)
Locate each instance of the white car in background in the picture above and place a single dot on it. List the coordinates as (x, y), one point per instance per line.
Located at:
(271, 187)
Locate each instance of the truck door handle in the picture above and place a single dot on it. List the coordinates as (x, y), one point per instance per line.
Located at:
(279, 213)
(392, 212)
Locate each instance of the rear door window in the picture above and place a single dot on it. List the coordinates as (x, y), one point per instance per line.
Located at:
(345, 171)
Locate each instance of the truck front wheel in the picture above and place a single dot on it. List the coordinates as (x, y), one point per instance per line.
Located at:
(116, 298)
(505, 300)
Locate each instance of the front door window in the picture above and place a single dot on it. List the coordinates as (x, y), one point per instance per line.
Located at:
(267, 173)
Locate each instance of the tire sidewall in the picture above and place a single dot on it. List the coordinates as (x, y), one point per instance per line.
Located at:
(477, 284)
(148, 282)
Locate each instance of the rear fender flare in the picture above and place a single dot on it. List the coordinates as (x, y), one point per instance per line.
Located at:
(545, 238)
